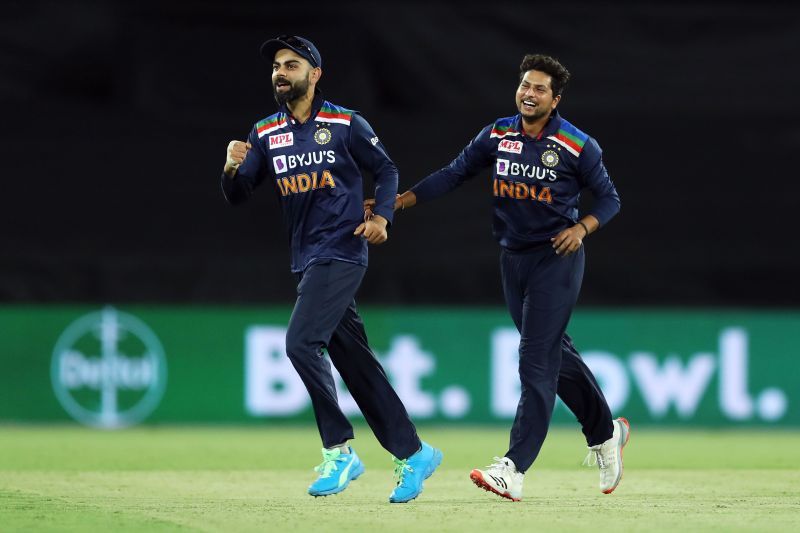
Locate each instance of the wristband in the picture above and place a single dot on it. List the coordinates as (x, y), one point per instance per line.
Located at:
(584, 229)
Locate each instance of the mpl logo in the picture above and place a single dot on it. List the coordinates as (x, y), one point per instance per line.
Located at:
(514, 147)
(108, 369)
(281, 140)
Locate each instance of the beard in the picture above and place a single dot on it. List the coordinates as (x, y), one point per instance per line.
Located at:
(537, 114)
(296, 90)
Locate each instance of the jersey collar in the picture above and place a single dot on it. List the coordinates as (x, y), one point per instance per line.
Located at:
(316, 105)
(552, 126)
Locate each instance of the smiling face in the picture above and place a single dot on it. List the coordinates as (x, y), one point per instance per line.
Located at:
(534, 96)
(293, 77)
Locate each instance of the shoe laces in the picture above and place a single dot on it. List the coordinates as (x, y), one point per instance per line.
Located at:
(329, 460)
(401, 466)
(598, 456)
(500, 467)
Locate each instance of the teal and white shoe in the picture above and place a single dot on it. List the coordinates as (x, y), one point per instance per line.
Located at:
(336, 472)
(411, 472)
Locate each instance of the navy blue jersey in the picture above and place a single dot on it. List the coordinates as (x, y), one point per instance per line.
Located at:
(315, 169)
(536, 182)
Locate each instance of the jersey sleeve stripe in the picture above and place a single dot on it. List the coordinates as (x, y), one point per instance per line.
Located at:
(270, 124)
(329, 112)
(338, 118)
(570, 146)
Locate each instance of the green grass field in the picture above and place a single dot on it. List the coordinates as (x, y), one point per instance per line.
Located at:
(234, 479)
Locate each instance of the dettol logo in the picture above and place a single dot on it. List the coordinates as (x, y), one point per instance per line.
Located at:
(108, 369)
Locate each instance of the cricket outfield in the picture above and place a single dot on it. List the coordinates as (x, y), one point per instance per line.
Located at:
(65, 478)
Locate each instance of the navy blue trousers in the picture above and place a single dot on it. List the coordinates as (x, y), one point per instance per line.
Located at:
(541, 289)
(325, 316)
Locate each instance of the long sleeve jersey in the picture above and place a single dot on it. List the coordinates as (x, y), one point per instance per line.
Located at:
(315, 170)
(536, 182)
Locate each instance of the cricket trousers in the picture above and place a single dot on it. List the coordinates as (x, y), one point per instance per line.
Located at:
(541, 289)
(325, 316)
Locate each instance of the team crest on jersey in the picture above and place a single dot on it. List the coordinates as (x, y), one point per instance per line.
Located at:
(280, 140)
(322, 136)
(506, 145)
(549, 158)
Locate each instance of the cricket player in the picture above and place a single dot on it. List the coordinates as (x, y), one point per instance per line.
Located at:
(540, 164)
(311, 153)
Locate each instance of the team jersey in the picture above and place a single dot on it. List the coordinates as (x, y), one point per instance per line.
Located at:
(535, 182)
(315, 170)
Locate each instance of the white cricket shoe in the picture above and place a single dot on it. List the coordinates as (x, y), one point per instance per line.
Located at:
(608, 456)
(501, 477)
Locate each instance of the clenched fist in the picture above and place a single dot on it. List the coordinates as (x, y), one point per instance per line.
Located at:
(237, 151)
(373, 229)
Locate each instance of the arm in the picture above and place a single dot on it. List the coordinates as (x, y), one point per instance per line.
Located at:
(476, 156)
(593, 175)
(245, 169)
(369, 153)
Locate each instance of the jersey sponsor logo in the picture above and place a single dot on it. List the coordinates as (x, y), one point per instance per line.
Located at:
(374, 141)
(281, 140)
(279, 162)
(526, 171)
(304, 182)
(323, 136)
(521, 191)
(310, 158)
(506, 145)
(550, 158)
(502, 167)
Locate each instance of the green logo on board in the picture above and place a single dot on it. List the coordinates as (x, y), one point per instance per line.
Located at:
(108, 369)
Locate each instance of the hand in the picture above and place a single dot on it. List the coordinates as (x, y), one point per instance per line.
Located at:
(569, 240)
(237, 151)
(369, 204)
(369, 208)
(374, 230)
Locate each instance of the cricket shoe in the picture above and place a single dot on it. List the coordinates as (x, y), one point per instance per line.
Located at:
(411, 472)
(608, 456)
(501, 477)
(336, 472)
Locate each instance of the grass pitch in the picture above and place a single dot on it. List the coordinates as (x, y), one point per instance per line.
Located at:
(233, 479)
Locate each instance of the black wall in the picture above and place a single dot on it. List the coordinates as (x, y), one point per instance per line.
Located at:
(115, 118)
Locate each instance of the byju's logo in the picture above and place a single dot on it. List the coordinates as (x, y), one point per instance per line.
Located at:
(279, 162)
(108, 369)
(502, 167)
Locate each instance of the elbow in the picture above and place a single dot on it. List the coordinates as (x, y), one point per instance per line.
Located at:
(389, 174)
(234, 197)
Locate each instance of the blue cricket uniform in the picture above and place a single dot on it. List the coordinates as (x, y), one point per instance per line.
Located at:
(536, 183)
(315, 170)
(535, 186)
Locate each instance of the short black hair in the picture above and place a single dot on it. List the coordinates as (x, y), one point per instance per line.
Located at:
(548, 65)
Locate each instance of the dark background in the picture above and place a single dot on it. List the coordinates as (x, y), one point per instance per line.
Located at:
(115, 118)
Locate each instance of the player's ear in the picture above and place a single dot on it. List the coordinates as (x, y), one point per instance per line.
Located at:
(556, 100)
(316, 74)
